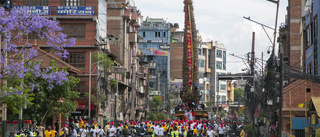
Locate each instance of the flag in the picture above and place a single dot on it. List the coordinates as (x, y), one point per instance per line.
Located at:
(300, 105)
(256, 114)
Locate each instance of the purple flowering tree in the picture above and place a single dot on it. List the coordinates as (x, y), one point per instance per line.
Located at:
(19, 32)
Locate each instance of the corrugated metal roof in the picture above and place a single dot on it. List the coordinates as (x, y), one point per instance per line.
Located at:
(316, 103)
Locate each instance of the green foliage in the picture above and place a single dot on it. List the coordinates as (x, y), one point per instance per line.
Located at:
(157, 116)
(235, 113)
(248, 130)
(50, 102)
(152, 116)
(238, 95)
(103, 59)
(155, 103)
(222, 113)
(113, 83)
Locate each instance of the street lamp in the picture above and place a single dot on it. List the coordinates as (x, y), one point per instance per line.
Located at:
(116, 70)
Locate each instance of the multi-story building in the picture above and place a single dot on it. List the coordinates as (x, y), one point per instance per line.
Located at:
(123, 23)
(155, 45)
(87, 22)
(217, 63)
(300, 52)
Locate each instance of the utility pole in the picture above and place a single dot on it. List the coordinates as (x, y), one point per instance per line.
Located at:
(89, 90)
(281, 91)
(252, 73)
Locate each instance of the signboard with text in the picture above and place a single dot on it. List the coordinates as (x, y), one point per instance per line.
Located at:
(35, 10)
(74, 10)
(164, 46)
(160, 53)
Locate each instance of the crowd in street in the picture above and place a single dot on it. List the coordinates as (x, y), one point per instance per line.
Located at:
(220, 127)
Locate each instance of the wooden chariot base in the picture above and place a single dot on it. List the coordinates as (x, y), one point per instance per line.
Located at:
(199, 114)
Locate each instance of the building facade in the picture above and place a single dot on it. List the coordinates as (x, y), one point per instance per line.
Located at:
(88, 24)
(155, 45)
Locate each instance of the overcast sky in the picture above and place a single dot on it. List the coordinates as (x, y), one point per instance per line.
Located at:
(222, 21)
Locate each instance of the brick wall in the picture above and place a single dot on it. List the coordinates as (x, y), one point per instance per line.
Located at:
(176, 57)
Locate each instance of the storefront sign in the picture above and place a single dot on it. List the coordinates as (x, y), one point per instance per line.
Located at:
(82, 106)
(224, 105)
(74, 10)
(35, 10)
(160, 53)
(164, 46)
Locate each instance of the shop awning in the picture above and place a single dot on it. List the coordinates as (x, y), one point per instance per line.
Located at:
(315, 102)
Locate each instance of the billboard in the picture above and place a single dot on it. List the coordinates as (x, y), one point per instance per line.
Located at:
(160, 53)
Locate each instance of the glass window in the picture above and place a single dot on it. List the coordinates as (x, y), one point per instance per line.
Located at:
(201, 75)
(144, 34)
(201, 63)
(76, 59)
(217, 82)
(164, 34)
(36, 2)
(73, 2)
(77, 31)
(219, 65)
(199, 51)
(155, 34)
(80, 87)
(224, 100)
(222, 87)
(219, 53)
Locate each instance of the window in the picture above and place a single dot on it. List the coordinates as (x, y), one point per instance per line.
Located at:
(224, 100)
(217, 82)
(219, 53)
(155, 34)
(144, 34)
(201, 75)
(219, 65)
(222, 87)
(80, 88)
(201, 63)
(76, 59)
(77, 31)
(309, 68)
(164, 34)
(36, 2)
(73, 2)
(158, 34)
(199, 51)
(224, 60)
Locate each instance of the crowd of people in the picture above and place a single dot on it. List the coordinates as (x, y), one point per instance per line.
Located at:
(164, 128)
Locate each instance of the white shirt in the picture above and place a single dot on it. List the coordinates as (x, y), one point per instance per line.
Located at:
(82, 132)
(93, 131)
(210, 133)
(100, 132)
(113, 130)
(160, 131)
(221, 130)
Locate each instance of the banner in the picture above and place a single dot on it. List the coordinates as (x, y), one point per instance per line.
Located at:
(160, 53)
(189, 44)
